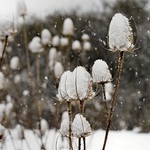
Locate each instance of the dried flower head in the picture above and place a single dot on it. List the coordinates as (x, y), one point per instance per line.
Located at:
(80, 126)
(120, 34)
(68, 27)
(100, 72)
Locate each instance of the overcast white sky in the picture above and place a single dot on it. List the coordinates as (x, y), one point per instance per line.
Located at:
(42, 7)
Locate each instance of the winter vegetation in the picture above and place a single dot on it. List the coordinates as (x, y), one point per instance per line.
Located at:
(68, 80)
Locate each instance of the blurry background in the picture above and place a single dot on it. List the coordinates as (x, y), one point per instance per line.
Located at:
(91, 17)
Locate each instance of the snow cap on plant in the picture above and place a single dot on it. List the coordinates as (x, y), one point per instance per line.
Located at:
(56, 41)
(76, 46)
(14, 63)
(100, 72)
(19, 131)
(46, 37)
(2, 130)
(2, 111)
(35, 45)
(109, 91)
(86, 46)
(44, 126)
(58, 70)
(21, 8)
(85, 37)
(64, 128)
(68, 27)
(64, 42)
(17, 79)
(79, 84)
(2, 81)
(80, 126)
(62, 89)
(52, 57)
(120, 34)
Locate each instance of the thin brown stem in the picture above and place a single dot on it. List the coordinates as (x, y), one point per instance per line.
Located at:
(4, 49)
(120, 65)
(70, 124)
(84, 143)
(104, 97)
(26, 48)
(79, 144)
(38, 71)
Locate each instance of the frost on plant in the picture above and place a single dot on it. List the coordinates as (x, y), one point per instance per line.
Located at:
(64, 128)
(35, 45)
(120, 34)
(14, 63)
(46, 37)
(100, 72)
(80, 126)
(68, 27)
(58, 69)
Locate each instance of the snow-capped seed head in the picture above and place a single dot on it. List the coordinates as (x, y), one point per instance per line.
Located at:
(46, 37)
(19, 131)
(64, 41)
(64, 115)
(52, 54)
(8, 98)
(100, 72)
(78, 84)
(17, 78)
(2, 111)
(64, 128)
(44, 126)
(8, 109)
(14, 63)
(2, 81)
(80, 126)
(21, 8)
(87, 46)
(58, 70)
(35, 45)
(120, 34)
(25, 93)
(62, 89)
(2, 130)
(85, 37)
(76, 46)
(68, 27)
(56, 41)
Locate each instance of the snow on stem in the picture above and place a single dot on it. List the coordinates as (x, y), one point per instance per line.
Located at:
(120, 65)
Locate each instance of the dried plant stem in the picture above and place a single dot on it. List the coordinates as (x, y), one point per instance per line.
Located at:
(79, 144)
(4, 49)
(69, 109)
(104, 97)
(26, 48)
(38, 70)
(84, 143)
(120, 65)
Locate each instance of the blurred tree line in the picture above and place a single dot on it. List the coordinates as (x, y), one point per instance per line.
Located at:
(133, 103)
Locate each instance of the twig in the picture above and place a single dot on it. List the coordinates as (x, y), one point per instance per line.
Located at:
(120, 65)
(70, 125)
(4, 49)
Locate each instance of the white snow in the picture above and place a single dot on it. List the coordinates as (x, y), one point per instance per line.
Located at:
(56, 41)
(35, 45)
(46, 37)
(80, 126)
(117, 140)
(76, 46)
(58, 70)
(64, 128)
(68, 27)
(86, 46)
(64, 41)
(2, 81)
(120, 33)
(44, 126)
(100, 72)
(85, 37)
(14, 63)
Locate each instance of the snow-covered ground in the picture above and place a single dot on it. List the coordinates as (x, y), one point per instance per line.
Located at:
(118, 140)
